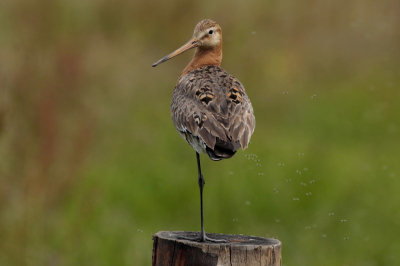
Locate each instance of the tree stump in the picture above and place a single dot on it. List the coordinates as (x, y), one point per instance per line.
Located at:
(169, 250)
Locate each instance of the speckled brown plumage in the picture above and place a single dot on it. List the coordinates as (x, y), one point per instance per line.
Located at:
(212, 112)
(210, 108)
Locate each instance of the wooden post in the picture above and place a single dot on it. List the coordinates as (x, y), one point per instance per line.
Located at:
(169, 250)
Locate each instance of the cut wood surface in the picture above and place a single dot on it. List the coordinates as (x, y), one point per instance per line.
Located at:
(169, 250)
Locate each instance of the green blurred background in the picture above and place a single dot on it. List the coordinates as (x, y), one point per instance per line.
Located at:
(91, 165)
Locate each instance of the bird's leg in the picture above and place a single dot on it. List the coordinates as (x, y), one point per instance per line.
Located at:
(202, 237)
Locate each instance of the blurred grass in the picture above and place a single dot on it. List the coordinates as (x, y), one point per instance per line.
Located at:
(91, 166)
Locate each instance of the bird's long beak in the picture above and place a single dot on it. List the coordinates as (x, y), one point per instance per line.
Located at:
(189, 45)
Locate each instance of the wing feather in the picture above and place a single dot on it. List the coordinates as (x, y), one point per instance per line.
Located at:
(212, 105)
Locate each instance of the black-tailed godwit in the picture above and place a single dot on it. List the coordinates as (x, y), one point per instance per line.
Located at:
(210, 108)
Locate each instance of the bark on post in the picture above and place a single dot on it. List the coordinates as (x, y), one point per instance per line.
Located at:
(169, 250)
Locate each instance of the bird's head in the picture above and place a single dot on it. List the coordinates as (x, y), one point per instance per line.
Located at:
(207, 35)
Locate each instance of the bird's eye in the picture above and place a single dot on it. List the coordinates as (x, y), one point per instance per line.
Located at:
(211, 32)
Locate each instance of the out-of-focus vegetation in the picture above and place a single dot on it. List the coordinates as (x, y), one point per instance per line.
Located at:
(91, 166)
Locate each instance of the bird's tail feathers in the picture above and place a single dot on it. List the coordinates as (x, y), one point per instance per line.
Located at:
(223, 149)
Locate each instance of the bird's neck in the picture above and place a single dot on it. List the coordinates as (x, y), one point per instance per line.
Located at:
(204, 57)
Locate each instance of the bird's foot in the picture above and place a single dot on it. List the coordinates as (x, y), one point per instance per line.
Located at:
(203, 238)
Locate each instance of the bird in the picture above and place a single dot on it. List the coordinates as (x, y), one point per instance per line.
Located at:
(210, 108)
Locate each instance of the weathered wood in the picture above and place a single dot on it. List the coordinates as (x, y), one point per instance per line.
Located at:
(169, 250)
